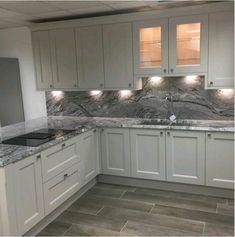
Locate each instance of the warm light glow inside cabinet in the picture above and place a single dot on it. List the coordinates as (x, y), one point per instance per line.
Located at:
(150, 39)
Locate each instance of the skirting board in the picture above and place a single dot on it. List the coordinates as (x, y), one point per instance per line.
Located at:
(52, 216)
(178, 187)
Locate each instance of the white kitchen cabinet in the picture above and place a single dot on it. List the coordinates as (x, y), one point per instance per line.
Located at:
(64, 59)
(188, 44)
(42, 59)
(61, 187)
(148, 154)
(115, 144)
(220, 159)
(88, 151)
(28, 193)
(185, 156)
(60, 157)
(118, 58)
(89, 44)
(221, 50)
(150, 45)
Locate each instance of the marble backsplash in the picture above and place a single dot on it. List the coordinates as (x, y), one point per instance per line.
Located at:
(191, 101)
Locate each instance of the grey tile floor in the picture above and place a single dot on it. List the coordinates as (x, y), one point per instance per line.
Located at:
(115, 210)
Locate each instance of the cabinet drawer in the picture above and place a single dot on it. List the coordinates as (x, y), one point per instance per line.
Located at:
(58, 158)
(60, 188)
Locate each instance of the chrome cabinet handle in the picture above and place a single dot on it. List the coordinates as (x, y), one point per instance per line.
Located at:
(209, 135)
(164, 70)
(129, 84)
(172, 70)
(161, 133)
(63, 145)
(168, 133)
(211, 82)
(51, 86)
(101, 85)
(75, 85)
(38, 157)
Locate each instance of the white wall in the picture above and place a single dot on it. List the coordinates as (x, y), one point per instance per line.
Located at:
(16, 42)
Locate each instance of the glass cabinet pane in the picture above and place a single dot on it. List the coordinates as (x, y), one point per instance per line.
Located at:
(150, 47)
(188, 44)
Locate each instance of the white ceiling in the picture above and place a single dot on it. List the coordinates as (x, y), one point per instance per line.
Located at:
(22, 13)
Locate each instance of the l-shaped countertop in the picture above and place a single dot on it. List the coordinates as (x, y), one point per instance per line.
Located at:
(12, 153)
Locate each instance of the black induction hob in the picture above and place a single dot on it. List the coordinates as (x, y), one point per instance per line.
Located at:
(37, 137)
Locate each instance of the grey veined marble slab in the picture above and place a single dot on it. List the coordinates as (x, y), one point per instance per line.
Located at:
(12, 153)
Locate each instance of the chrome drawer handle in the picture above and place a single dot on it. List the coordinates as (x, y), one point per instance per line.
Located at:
(63, 145)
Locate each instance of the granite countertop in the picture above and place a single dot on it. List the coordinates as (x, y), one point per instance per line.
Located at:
(12, 153)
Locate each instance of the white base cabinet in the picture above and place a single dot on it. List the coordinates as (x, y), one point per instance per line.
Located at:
(148, 154)
(185, 156)
(28, 193)
(88, 147)
(115, 144)
(220, 160)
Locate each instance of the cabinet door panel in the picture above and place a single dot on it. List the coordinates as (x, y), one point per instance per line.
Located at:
(118, 58)
(88, 150)
(150, 42)
(90, 57)
(29, 198)
(42, 59)
(115, 152)
(148, 154)
(64, 58)
(188, 44)
(221, 48)
(220, 160)
(185, 153)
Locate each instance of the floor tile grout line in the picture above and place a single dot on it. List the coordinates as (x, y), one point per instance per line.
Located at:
(99, 210)
(122, 194)
(123, 226)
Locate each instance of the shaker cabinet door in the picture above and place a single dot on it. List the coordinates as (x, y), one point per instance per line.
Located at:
(188, 44)
(220, 159)
(150, 44)
(221, 50)
(42, 59)
(115, 151)
(90, 57)
(118, 58)
(29, 193)
(185, 156)
(148, 154)
(64, 58)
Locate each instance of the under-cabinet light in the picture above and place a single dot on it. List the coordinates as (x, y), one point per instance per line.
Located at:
(95, 93)
(124, 94)
(58, 94)
(191, 79)
(154, 81)
(226, 93)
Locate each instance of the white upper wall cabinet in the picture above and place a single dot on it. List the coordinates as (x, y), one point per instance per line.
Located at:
(188, 44)
(221, 50)
(118, 58)
(42, 59)
(90, 57)
(150, 39)
(64, 61)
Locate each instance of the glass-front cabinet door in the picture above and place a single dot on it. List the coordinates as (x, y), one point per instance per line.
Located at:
(150, 39)
(188, 44)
